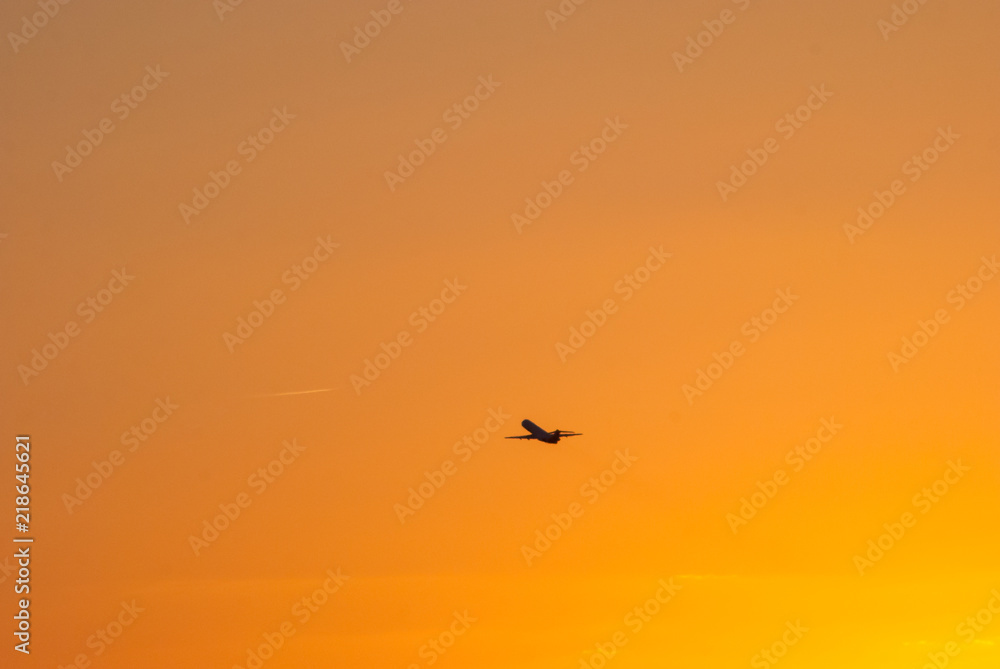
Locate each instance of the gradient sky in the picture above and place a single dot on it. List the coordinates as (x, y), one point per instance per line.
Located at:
(495, 346)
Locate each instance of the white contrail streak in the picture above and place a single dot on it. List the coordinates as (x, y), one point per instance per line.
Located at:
(297, 392)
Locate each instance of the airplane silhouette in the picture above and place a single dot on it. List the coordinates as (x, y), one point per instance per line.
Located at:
(541, 435)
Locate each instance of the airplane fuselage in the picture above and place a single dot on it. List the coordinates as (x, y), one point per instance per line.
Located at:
(540, 434)
(535, 432)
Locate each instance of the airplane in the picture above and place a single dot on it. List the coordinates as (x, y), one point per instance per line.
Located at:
(541, 435)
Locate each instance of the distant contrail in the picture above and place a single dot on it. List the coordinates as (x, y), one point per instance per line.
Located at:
(297, 392)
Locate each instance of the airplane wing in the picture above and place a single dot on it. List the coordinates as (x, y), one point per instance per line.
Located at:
(570, 434)
(523, 436)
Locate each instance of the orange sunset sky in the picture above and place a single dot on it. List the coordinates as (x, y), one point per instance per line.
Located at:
(747, 247)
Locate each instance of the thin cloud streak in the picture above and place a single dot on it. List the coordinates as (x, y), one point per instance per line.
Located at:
(297, 392)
